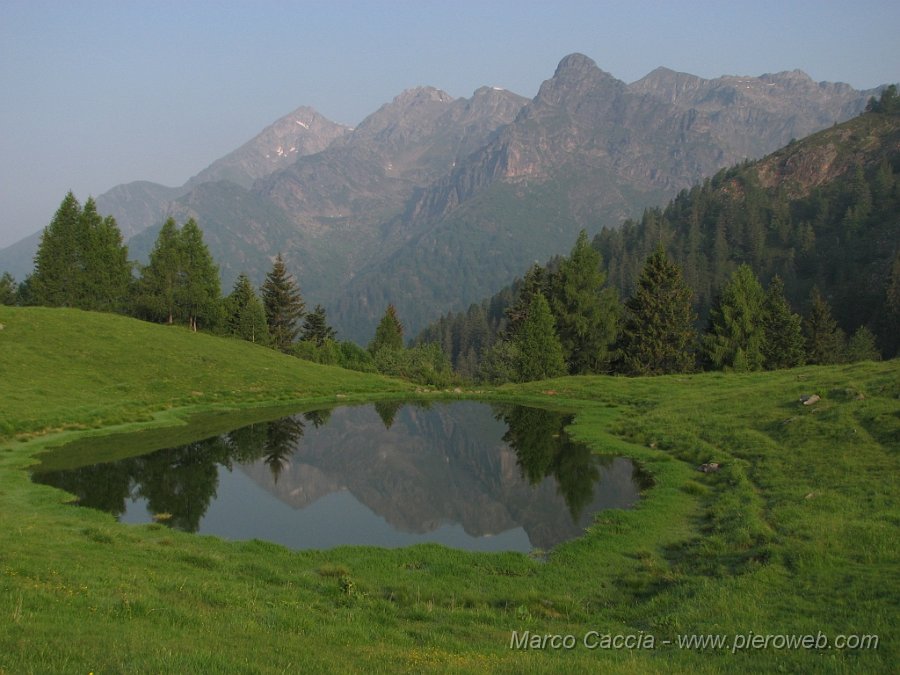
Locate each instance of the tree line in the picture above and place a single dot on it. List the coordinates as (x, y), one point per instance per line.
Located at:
(566, 319)
(82, 263)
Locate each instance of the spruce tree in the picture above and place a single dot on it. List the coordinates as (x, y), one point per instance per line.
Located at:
(890, 318)
(737, 333)
(283, 304)
(158, 285)
(106, 271)
(81, 261)
(540, 353)
(825, 340)
(198, 293)
(586, 311)
(536, 281)
(783, 345)
(861, 346)
(388, 333)
(56, 280)
(8, 289)
(244, 313)
(658, 335)
(316, 328)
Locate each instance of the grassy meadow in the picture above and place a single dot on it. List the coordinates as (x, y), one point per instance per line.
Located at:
(795, 535)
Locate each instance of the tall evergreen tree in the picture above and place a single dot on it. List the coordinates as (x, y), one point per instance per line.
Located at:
(783, 346)
(8, 289)
(56, 279)
(107, 273)
(586, 311)
(244, 313)
(158, 285)
(540, 353)
(283, 304)
(737, 332)
(658, 335)
(861, 346)
(81, 261)
(536, 281)
(890, 318)
(825, 340)
(388, 333)
(316, 328)
(198, 292)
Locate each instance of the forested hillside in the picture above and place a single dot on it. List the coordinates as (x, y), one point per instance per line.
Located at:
(821, 213)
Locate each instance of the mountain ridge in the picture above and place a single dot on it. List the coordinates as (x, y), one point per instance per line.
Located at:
(463, 178)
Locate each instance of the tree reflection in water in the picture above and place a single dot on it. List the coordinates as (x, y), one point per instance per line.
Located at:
(417, 469)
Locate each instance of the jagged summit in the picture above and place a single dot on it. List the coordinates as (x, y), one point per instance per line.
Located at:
(575, 63)
(432, 200)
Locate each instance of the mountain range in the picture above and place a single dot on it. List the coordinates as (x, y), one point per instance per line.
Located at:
(432, 202)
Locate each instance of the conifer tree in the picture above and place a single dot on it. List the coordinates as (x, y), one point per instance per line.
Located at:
(283, 304)
(586, 311)
(8, 289)
(388, 333)
(737, 333)
(783, 346)
(540, 353)
(861, 346)
(825, 340)
(890, 318)
(81, 261)
(158, 285)
(658, 335)
(536, 281)
(316, 328)
(106, 271)
(198, 292)
(245, 316)
(56, 278)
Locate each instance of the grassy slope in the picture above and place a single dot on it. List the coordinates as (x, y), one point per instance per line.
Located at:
(797, 533)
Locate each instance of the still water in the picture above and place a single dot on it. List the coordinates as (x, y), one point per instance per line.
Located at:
(466, 475)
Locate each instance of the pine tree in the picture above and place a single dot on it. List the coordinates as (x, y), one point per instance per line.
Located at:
(81, 261)
(540, 353)
(536, 281)
(316, 328)
(388, 333)
(198, 293)
(244, 313)
(890, 318)
(587, 312)
(8, 289)
(783, 346)
(824, 339)
(737, 333)
(283, 304)
(56, 279)
(861, 346)
(158, 285)
(106, 271)
(658, 334)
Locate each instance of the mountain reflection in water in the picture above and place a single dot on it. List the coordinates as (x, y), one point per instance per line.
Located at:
(464, 474)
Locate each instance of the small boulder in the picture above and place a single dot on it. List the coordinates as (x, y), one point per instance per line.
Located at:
(810, 399)
(710, 467)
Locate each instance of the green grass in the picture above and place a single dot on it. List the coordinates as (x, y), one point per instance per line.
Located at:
(797, 534)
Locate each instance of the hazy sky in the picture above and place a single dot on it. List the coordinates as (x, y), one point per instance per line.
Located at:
(93, 94)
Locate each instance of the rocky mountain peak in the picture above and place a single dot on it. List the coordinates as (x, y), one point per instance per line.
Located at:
(576, 76)
(575, 64)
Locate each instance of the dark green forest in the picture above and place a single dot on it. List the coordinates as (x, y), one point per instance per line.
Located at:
(828, 239)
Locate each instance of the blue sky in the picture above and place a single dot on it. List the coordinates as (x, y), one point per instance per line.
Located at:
(100, 93)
